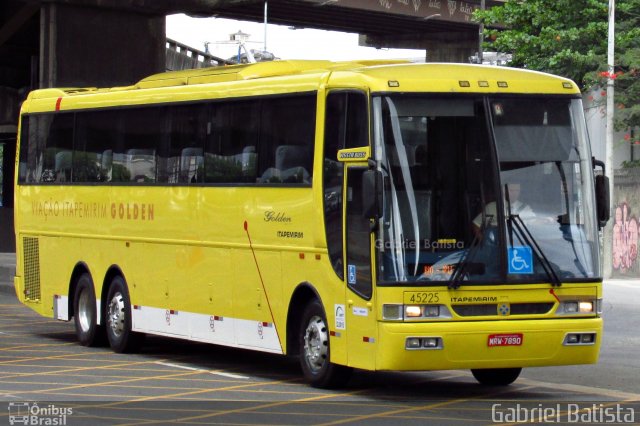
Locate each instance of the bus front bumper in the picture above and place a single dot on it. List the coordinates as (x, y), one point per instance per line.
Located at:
(488, 344)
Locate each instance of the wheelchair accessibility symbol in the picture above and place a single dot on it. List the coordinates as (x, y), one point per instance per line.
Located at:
(351, 271)
(520, 260)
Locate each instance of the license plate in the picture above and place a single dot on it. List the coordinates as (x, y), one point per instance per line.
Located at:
(505, 339)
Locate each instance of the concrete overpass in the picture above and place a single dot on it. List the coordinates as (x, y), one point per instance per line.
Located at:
(47, 43)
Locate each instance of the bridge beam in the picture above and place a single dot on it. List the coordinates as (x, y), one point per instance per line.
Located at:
(80, 46)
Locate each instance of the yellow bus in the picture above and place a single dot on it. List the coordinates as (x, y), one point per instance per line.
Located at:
(371, 215)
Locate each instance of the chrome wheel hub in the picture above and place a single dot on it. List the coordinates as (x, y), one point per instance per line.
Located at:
(316, 343)
(84, 310)
(116, 314)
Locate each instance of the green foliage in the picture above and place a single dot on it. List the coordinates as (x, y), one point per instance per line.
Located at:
(569, 38)
(565, 37)
(631, 164)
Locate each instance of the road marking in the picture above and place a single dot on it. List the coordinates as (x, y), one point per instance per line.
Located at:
(216, 373)
(612, 393)
(39, 345)
(8, 395)
(99, 384)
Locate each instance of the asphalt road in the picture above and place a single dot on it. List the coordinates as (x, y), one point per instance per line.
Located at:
(45, 376)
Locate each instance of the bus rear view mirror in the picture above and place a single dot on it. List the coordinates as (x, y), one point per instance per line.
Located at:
(371, 194)
(602, 199)
(602, 194)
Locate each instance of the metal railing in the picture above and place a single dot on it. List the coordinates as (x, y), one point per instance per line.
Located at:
(182, 57)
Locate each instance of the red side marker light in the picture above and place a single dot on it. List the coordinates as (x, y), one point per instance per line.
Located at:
(58, 102)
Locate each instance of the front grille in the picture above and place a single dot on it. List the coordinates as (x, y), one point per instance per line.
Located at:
(31, 258)
(491, 309)
(530, 308)
(475, 310)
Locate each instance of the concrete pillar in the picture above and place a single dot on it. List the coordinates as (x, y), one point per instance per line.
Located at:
(9, 105)
(98, 47)
(7, 235)
(9, 109)
(439, 47)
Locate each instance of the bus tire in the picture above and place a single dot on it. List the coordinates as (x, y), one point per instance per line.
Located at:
(118, 318)
(88, 332)
(496, 376)
(315, 358)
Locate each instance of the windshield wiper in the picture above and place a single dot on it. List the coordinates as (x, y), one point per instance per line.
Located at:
(461, 267)
(515, 222)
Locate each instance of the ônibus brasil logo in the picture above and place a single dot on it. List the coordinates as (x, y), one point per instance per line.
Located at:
(30, 413)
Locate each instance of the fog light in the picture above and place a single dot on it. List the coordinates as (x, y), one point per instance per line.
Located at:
(413, 343)
(431, 342)
(573, 339)
(587, 338)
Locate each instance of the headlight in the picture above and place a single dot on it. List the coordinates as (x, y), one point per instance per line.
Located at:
(393, 312)
(585, 307)
(412, 311)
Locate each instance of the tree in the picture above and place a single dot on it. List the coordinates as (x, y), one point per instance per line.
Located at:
(569, 38)
(628, 67)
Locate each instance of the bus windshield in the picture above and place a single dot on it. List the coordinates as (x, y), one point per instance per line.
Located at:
(484, 189)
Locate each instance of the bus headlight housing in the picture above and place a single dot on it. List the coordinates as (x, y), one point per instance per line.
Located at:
(397, 312)
(579, 307)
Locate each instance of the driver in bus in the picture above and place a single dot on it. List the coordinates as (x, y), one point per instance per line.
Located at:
(490, 210)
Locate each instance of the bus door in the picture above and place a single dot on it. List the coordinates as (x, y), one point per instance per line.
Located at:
(360, 297)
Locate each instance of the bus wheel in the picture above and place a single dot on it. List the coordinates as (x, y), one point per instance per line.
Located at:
(318, 370)
(496, 376)
(88, 331)
(118, 319)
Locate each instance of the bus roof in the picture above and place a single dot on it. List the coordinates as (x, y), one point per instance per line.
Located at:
(376, 75)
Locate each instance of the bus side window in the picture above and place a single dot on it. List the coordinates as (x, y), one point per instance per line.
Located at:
(287, 137)
(57, 146)
(182, 162)
(93, 146)
(345, 126)
(232, 135)
(143, 133)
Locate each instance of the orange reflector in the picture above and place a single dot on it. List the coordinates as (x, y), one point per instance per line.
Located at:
(301, 255)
